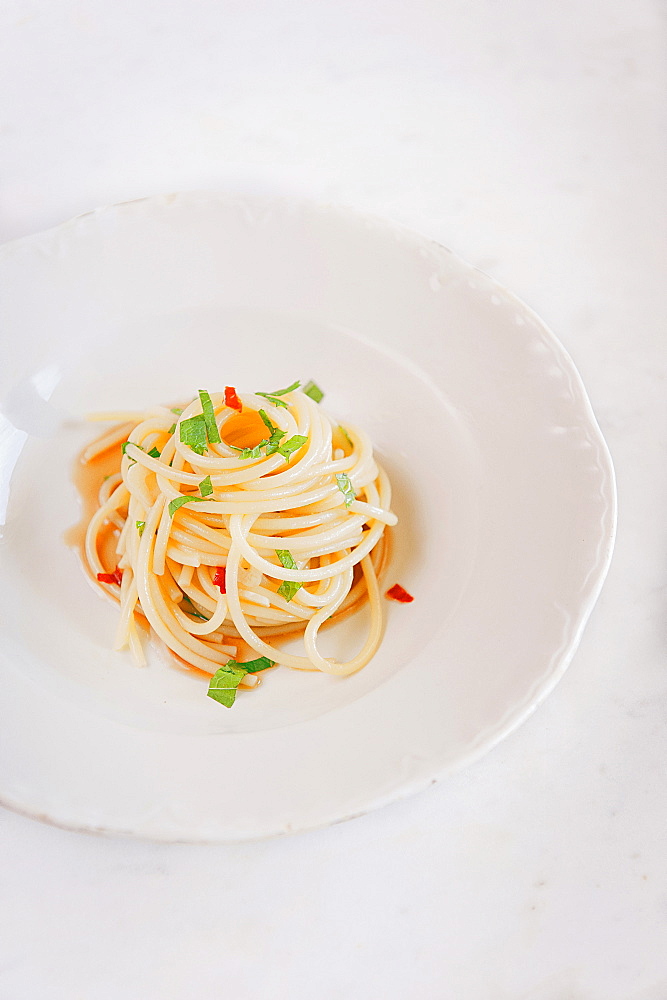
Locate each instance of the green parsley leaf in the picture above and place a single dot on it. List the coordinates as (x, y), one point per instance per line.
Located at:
(191, 610)
(346, 487)
(209, 417)
(123, 448)
(283, 392)
(193, 433)
(267, 422)
(272, 399)
(224, 683)
(273, 443)
(177, 410)
(253, 666)
(179, 501)
(288, 588)
(140, 527)
(277, 435)
(206, 487)
(172, 429)
(314, 391)
(154, 453)
(255, 452)
(294, 443)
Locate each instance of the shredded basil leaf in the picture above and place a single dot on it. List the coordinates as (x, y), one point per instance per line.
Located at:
(255, 452)
(192, 609)
(123, 448)
(271, 444)
(267, 422)
(226, 679)
(253, 666)
(224, 683)
(288, 588)
(277, 435)
(346, 487)
(272, 399)
(209, 417)
(193, 433)
(274, 441)
(294, 443)
(154, 453)
(283, 392)
(206, 487)
(140, 527)
(179, 501)
(314, 391)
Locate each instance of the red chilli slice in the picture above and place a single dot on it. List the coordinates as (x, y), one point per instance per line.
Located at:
(220, 579)
(114, 577)
(231, 399)
(398, 593)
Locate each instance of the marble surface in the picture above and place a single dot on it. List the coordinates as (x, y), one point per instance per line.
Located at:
(531, 140)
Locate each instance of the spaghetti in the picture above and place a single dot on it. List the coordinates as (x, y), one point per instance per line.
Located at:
(242, 517)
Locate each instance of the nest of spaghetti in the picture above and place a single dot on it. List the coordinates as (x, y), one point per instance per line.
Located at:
(240, 516)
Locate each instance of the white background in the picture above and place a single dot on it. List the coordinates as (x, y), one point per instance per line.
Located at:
(529, 137)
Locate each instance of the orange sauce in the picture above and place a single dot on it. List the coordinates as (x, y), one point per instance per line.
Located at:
(88, 478)
(245, 430)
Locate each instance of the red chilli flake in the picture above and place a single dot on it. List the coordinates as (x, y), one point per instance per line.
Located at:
(231, 399)
(397, 593)
(114, 577)
(220, 579)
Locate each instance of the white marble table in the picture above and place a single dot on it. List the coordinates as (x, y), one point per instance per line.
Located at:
(530, 139)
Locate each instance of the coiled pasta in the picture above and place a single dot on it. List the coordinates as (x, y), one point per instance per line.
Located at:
(243, 517)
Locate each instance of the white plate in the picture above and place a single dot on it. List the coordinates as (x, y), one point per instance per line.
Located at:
(503, 485)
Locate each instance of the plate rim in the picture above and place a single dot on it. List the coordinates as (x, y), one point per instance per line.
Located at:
(543, 685)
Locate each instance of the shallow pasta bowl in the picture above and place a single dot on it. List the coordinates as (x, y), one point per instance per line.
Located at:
(502, 482)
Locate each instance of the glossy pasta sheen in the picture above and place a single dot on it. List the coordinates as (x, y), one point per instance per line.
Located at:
(259, 508)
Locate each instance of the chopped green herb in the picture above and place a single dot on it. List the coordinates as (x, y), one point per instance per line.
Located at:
(283, 392)
(272, 399)
(255, 452)
(106, 477)
(253, 666)
(227, 678)
(123, 448)
(193, 433)
(172, 429)
(267, 421)
(140, 527)
(209, 417)
(191, 610)
(206, 487)
(288, 588)
(224, 683)
(346, 436)
(294, 443)
(177, 410)
(346, 487)
(274, 441)
(277, 435)
(154, 453)
(314, 391)
(179, 501)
